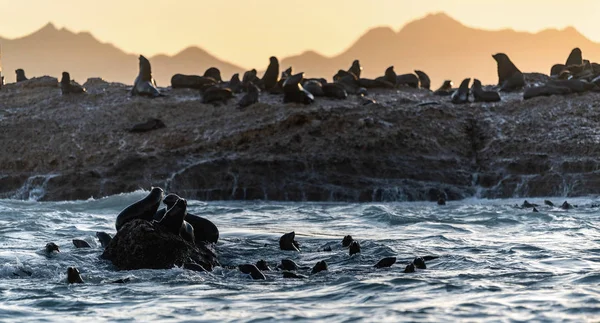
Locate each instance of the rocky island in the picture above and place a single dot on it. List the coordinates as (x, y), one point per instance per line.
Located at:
(408, 145)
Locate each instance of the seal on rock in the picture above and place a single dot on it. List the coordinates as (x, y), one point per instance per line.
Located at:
(481, 95)
(355, 69)
(251, 97)
(390, 75)
(575, 57)
(216, 94)
(181, 81)
(544, 90)
(173, 219)
(424, 80)
(69, 87)
(251, 270)
(271, 75)
(235, 84)
(20, 75)
(144, 84)
(462, 94)
(410, 80)
(294, 92)
(288, 242)
(510, 77)
(445, 89)
(73, 276)
(143, 209)
(314, 87)
(213, 73)
(204, 229)
(334, 90)
(104, 238)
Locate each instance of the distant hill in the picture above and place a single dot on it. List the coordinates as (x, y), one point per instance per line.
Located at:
(446, 49)
(50, 51)
(436, 44)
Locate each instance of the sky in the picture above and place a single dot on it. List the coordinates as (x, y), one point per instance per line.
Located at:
(248, 32)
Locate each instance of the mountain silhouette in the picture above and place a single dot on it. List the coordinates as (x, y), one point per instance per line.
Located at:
(50, 51)
(437, 44)
(446, 49)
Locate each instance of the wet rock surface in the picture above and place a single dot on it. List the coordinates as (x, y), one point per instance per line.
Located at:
(65, 148)
(142, 244)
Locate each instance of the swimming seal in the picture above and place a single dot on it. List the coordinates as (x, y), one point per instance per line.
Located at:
(51, 247)
(73, 276)
(294, 92)
(510, 77)
(142, 209)
(419, 263)
(566, 206)
(424, 80)
(144, 84)
(319, 267)
(355, 69)
(385, 262)
(104, 238)
(204, 229)
(173, 219)
(549, 203)
(288, 242)
(347, 241)
(251, 97)
(445, 89)
(262, 265)
(68, 87)
(535, 210)
(410, 268)
(462, 94)
(354, 248)
(81, 243)
(20, 75)
(149, 125)
(483, 96)
(254, 272)
(288, 264)
(213, 73)
(271, 75)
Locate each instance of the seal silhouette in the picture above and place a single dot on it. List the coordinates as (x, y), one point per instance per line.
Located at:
(142, 209)
(144, 84)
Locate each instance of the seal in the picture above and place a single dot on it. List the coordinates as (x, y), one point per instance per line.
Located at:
(354, 248)
(216, 94)
(251, 270)
(462, 94)
(204, 229)
(271, 75)
(294, 92)
(262, 265)
(174, 217)
(213, 73)
(251, 97)
(483, 96)
(319, 267)
(104, 238)
(424, 80)
(144, 84)
(535, 210)
(544, 90)
(410, 80)
(69, 87)
(419, 263)
(356, 69)
(385, 262)
(81, 243)
(441, 200)
(510, 77)
(347, 241)
(73, 276)
(557, 70)
(149, 125)
(142, 209)
(235, 84)
(575, 57)
(445, 89)
(410, 268)
(20, 75)
(288, 242)
(181, 81)
(334, 90)
(186, 231)
(549, 203)
(51, 247)
(314, 87)
(288, 264)
(566, 206)
(390, 75)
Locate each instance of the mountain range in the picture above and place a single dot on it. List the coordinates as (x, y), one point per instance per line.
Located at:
(436, 44)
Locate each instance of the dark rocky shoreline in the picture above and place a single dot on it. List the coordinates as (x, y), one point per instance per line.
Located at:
(58, 147)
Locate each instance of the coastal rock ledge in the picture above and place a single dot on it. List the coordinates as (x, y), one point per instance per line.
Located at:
(58, 147)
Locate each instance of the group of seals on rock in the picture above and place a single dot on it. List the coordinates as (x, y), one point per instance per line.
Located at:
(575, 76)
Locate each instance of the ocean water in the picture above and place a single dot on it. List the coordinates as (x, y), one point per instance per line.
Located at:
(497, 263)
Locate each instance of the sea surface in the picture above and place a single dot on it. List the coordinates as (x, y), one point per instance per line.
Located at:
(497, 263)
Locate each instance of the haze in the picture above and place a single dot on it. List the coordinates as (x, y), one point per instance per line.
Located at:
(246, 33)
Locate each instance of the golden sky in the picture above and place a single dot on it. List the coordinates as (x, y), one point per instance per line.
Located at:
(247, 32)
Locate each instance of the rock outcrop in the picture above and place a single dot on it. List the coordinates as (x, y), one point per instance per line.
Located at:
(410, 145)
(141, 244)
